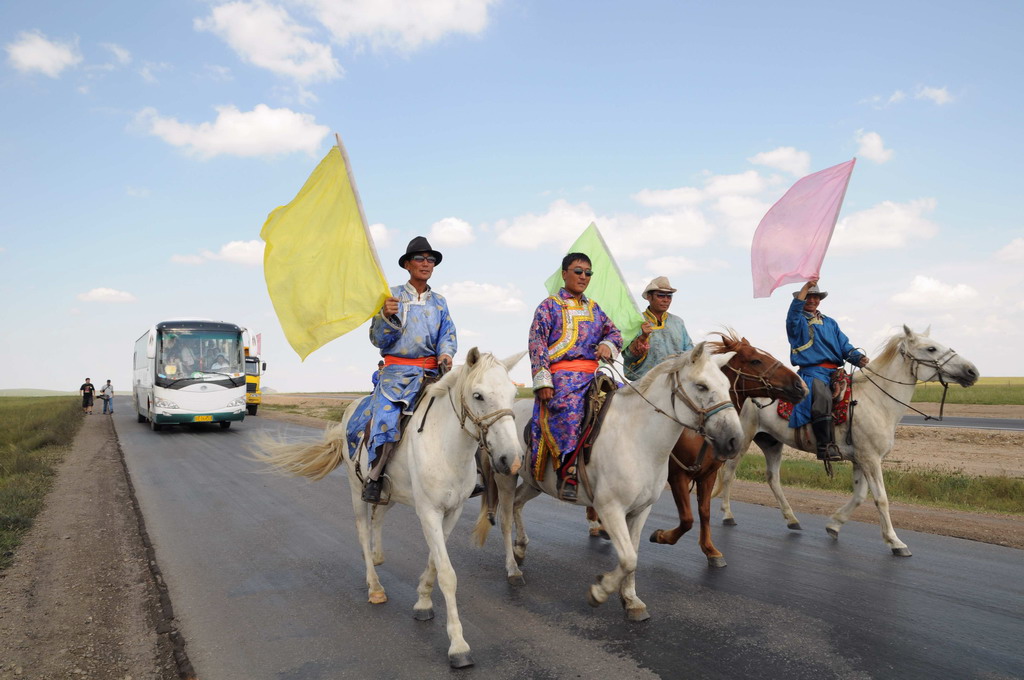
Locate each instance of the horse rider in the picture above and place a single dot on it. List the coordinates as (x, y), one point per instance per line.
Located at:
(661, 335)
(818, 348)
(416, 336)
(568, 336)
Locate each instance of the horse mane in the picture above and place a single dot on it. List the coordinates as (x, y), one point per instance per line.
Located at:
(888, 353)
(728, 343)
(457, 378)
(669, 365)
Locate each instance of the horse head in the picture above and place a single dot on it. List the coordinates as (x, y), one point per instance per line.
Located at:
(931, 361)
(486, 394)
(704, 388)
(752, 372)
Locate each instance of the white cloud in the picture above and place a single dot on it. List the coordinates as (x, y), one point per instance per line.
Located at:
(559, 226)
(149, 70)
(897, 96)
(261, 132)
(669, 198)
(381, 235)
(249, 253)
(872, 147)
(671, 265)
(33, 51)
(744, 183)
(451, 231)
(265, 35)
(399, 23)
(925, 291)
(123, 56)
(489, 296)
(106, 295)
(785, 158)
(886, 225)
(1012, 251)
(740, 216)
(938, 95)
(217, 73)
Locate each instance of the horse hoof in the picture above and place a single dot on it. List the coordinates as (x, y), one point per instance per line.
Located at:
(423, 614)
(637, 614)
(379, 597)
(463, 660)
(901, 552)
(592, 599)
(377, 561)
(654, 536)
(795, 526)
(716, 562)
(834, 533)
(604, 534)
(728, 522)
(519, 558)
(516, 580)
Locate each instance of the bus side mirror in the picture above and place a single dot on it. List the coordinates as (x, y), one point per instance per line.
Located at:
(264, 365)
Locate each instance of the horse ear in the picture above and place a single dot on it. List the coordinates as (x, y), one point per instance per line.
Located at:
(510, 362)
(927, 331)
(699, 352)
(723, 359)
(473, 356)
(906, 331)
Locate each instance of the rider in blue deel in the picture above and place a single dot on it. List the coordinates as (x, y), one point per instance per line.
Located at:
(818, 347)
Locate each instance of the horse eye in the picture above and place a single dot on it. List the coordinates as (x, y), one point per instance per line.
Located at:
(756, 362)
(931, 349)
(702, 387)
(478, 396)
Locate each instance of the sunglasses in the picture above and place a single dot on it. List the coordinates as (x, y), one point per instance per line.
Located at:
(663, 296)
(579, 270)
(420, 258)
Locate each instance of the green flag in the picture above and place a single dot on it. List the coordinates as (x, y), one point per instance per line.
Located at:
(607, 287)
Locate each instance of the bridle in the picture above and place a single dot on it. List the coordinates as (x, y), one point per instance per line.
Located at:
(936, 364)
(483, 423)
(760, 378)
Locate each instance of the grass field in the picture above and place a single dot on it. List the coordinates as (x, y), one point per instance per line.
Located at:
(988, 391)
(926, 487)
(34, 434)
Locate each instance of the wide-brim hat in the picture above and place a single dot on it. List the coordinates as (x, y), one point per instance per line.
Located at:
(813, 290)
(416, 246)
(660, 284)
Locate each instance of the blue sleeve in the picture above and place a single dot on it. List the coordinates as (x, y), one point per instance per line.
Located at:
(687, 342)
(447, 341)
(850, 353)
(385, 332)
(609, 333)
(796, 325)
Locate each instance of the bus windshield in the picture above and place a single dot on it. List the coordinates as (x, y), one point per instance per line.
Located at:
(199, 355)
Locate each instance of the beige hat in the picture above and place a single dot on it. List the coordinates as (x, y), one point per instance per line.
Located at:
(660, 284)
(813, 290)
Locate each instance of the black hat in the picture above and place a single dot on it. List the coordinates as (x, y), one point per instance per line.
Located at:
(416, 246)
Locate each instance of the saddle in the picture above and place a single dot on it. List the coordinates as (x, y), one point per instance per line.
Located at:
(403, 420)
(842, 393)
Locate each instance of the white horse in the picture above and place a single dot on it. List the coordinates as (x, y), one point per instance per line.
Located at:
(433, 469)
(883, 389)
(629, 463)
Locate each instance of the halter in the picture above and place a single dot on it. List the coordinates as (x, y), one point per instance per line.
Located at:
(936, 364)
(761, 378)
(483, 423)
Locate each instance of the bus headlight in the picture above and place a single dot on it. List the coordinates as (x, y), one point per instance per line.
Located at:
(237, 403)
(165, 403)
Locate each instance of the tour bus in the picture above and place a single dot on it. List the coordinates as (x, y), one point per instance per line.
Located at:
(189, 371)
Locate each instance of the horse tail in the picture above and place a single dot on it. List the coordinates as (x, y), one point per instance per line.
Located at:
(485, 520)
(314, 460)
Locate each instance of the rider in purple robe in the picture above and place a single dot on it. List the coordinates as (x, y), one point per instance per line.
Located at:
(568, 336)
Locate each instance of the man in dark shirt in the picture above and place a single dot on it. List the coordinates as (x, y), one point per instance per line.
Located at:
(87, 390)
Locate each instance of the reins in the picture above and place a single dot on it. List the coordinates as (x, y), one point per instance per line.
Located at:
(483, 423)
(936, 364)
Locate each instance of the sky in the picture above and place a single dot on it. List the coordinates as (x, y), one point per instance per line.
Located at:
(143, 145)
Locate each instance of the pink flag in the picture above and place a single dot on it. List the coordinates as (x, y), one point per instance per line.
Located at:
(790, 242)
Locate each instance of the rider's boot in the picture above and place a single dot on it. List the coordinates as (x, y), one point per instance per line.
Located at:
(567, 485)
(373, 484)
(825, 437)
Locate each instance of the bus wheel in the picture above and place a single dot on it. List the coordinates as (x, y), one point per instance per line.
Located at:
(141, 418)
(251, 409)
(225, 424)
(153, 425)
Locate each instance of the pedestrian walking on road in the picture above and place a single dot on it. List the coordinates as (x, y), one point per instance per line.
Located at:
(107, 395)
(88, 391)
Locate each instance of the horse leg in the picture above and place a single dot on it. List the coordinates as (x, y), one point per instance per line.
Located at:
(506, 499)
(723, 487)
(618, 529)
(436, 529)
(524, 493)
(361, 511)
(704, 484)
(377, 533)
(842, 515)
(635, 608)
(872, 472)
(773, 465)
(679, 482)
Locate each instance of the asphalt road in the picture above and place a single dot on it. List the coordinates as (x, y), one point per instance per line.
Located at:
(267, 581)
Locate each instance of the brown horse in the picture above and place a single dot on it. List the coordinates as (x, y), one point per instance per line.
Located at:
(752, 373)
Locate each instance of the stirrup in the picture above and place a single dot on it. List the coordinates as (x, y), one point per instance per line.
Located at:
(567, 492)
(831, 454)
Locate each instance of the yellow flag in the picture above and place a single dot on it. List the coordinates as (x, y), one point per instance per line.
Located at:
(321, 268)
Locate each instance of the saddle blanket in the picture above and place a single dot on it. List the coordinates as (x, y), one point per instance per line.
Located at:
(840, 407)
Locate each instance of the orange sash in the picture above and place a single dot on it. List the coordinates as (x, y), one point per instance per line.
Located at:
(428, 363)
(577, 365)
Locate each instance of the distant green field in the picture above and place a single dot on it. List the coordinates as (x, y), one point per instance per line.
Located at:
(988, 391)
(34, 434)
(35, 393)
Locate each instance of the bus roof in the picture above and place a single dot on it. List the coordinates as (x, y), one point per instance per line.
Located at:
(197, 325)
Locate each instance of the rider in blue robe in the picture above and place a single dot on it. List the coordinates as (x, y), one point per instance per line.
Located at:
(818, 347)
(416, 336)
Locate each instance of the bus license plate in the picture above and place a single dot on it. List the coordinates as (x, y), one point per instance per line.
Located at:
(202, 419)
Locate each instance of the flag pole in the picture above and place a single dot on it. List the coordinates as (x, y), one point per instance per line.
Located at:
(359, 203)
